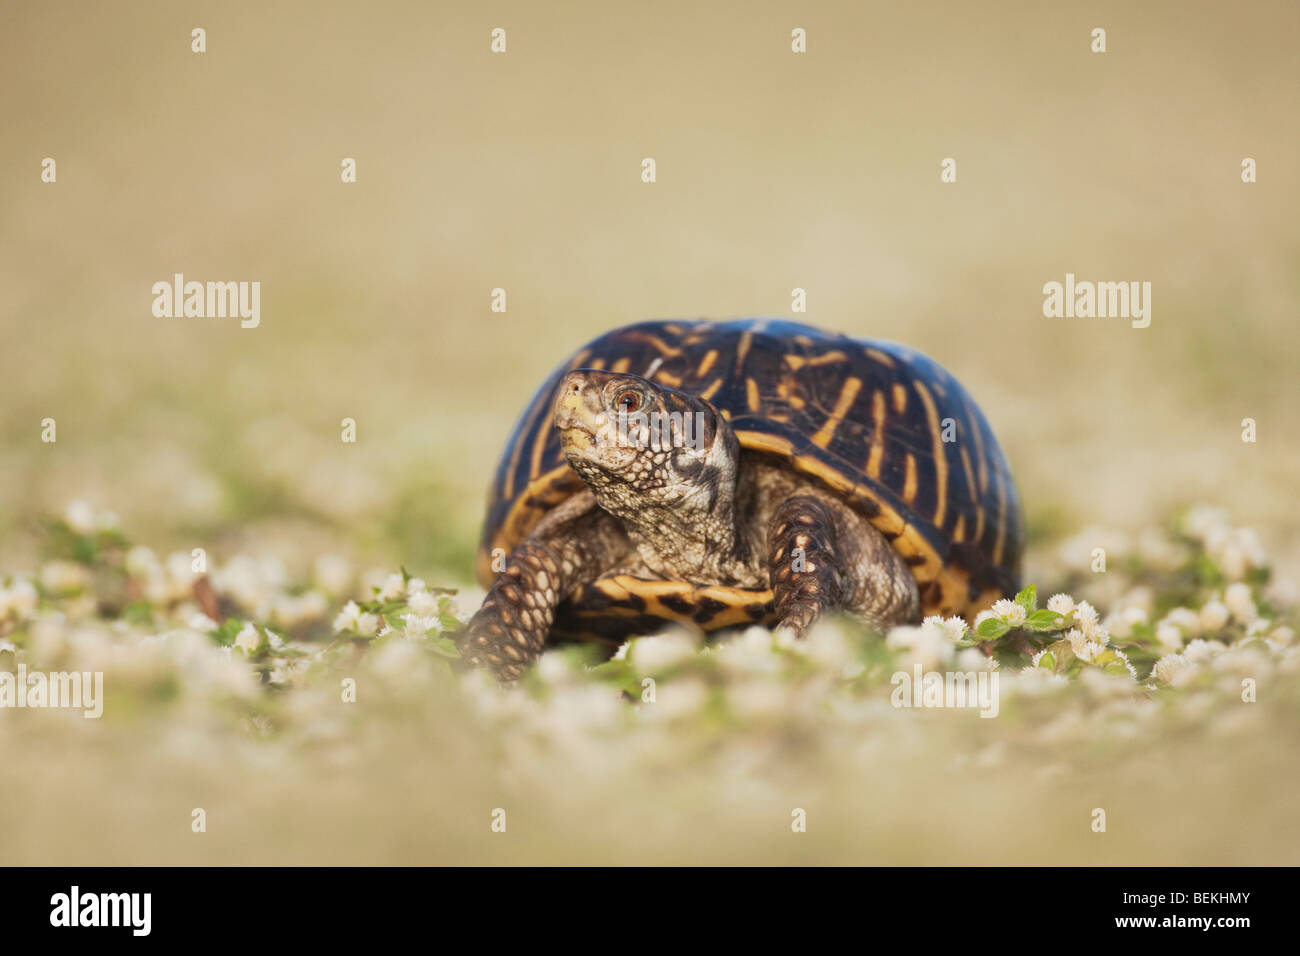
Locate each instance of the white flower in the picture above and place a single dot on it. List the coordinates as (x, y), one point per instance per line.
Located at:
(80, 517)
(1090, 651)
(1060, 604)
(1085, 614)
(1203, 520)
(248, 640)
(62, 577)
(1214, 616)
(201, 622)
(955, 629)
(417, 626)
(1084, 648)
(423, 603)
(1185, 619)
(662, 652)
(1121, 625)
(1174, 669)
(348, 617)
(973, 659)
(394, 587)
(367, 625)
(1199, 651)
(1169, 636)
(1009, 611)
(18, 600)
(416, 585)
(927, 645)
(1239, 602)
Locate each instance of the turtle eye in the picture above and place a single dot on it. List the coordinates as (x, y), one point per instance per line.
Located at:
(629, 400)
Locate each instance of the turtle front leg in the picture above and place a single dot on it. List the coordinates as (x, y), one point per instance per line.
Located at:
(571, 547)
(803, 562)
(824, 556)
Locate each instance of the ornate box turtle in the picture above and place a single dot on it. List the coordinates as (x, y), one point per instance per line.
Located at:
(731, 473)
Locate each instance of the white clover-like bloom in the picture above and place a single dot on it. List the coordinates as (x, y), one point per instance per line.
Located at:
(201, 622)
(394, 587)
(18, 600)
(180, 573)
(1060, 604)
(926, 645)
(973, 659)
(828, 645)
(1200, 651)
(1084, 646)
(1174, 670)
(1185, 619)
(1009, 611)
(80, 516)
(1214, 616)
(248, 640)
(416, 585)
(1240, 604)
(1169, 636)
(1085, 615)
(954, 628)
(1091, 651)
(662, 652)
(1121, 624)
(417, 626)
(423, 603)
(141, 561)
(347, 619)
(292, 610)
(553, 668)
(367, 624)
(1128, 666)
(62, 577)
(1204, 520)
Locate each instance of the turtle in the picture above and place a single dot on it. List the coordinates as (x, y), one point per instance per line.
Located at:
(721, 475)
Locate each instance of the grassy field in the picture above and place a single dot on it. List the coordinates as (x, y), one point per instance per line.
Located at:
(522, 171)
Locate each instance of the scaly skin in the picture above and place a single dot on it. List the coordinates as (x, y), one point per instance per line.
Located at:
(570, 548)
(682, 511)
(823, 556)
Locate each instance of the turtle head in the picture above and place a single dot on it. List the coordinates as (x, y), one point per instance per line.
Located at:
(638, 444)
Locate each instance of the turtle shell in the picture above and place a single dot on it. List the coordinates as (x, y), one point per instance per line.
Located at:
(881, 425)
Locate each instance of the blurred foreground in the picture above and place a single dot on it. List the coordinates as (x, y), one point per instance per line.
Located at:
(314, 729)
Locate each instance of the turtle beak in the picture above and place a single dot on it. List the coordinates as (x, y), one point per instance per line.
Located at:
(579, 415)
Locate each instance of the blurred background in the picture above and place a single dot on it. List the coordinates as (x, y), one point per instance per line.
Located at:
(522, 171)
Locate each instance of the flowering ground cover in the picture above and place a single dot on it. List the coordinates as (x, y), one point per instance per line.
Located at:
(327, 719)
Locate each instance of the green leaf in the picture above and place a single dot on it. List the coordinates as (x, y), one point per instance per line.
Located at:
(1028, 599)
(225, 634)
(1047, 661)
(1044, 620)
(444, 646)
(991, 628)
